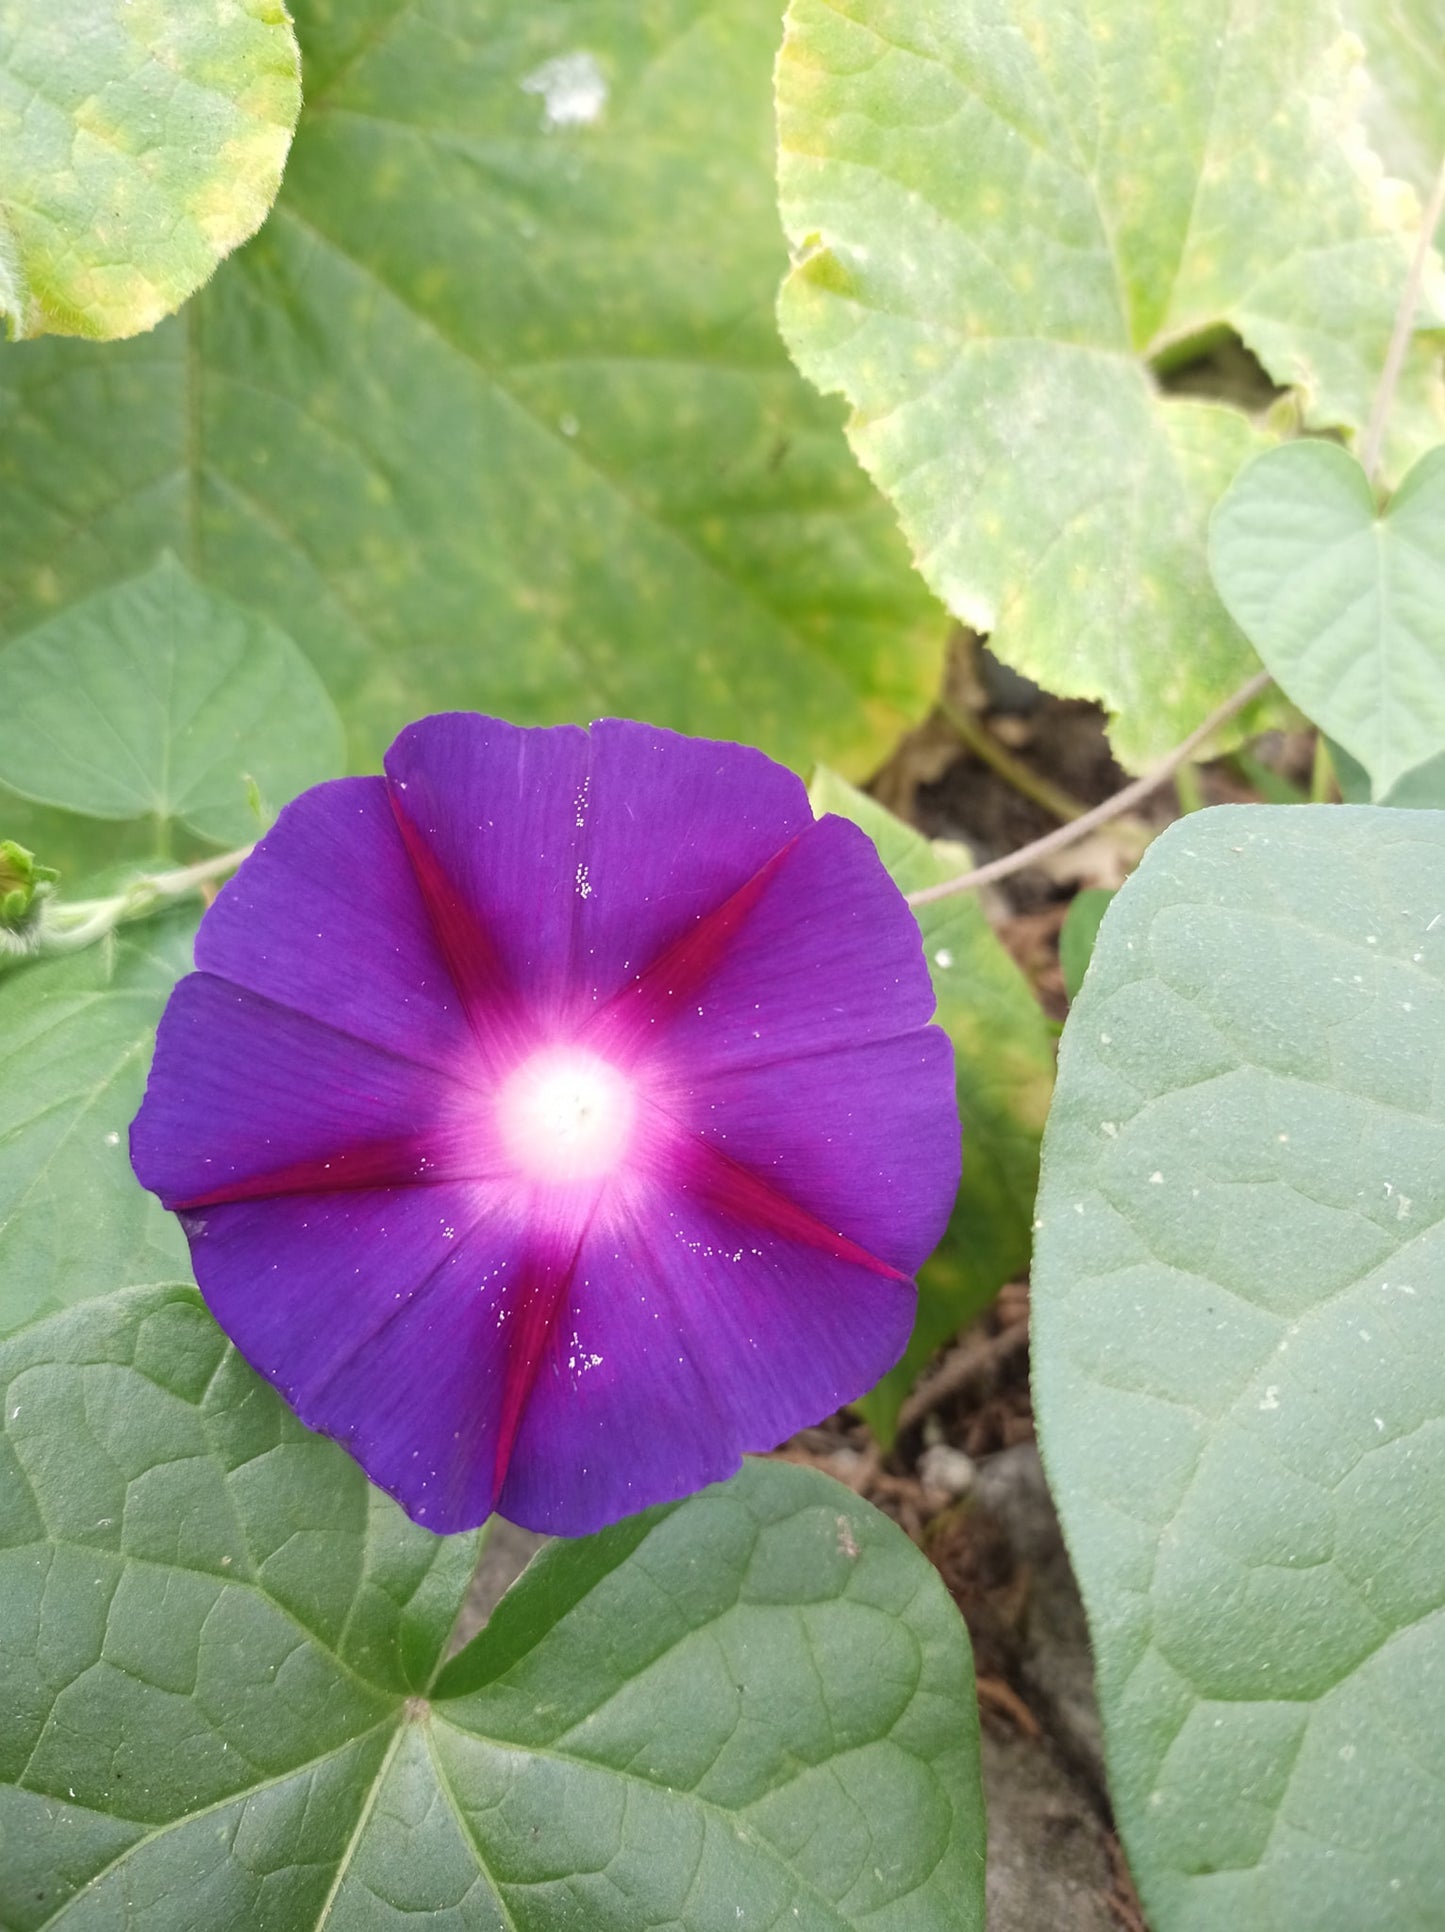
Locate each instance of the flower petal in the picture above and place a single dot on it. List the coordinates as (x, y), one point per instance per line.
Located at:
(325, 918)
(582, 855)
(382, 1318)
(827, 956)
(689, 1338)
(426, 1319)
(471, 1356)
(676, 826)
(865, 1141)
(247, 1098)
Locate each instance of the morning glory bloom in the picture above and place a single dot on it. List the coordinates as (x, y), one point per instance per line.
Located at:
(556, 1117)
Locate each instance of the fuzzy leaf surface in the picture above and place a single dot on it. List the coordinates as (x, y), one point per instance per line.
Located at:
(1239, 1333)
(1007, 219)
(1405, 104)
(139, 144)
(493, 413)
(220, 1653)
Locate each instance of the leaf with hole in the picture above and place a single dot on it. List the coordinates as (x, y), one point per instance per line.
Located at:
(227, 1706)
(493, 413)
(1345, 605)
(138, 146)
(1010, 223)
(1004, 1061)
(157, 699)
(1239, 1363)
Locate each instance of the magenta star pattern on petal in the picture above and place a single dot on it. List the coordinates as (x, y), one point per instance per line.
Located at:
(556, 1117)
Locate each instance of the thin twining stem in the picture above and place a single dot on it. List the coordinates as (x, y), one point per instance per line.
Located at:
(70, 925)
(1113, 807)
(1374, 437)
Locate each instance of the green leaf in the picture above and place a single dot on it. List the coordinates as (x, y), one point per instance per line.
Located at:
(156, 699)
(1008, 219)
(140, 141)
(79, 848)
(1239, 1363)
(494, 413)
(1346, 607)
(1273, 787)
(219, 1659)
(1421, 789)
(76, 1035)
(1003, 1055)
(1078, 934)
(212, 1627)
(1405, 106)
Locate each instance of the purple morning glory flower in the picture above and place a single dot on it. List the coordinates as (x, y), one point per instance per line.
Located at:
(556, 1117)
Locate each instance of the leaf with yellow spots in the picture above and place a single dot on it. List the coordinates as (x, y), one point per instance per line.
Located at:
(493, 413)
(1405, 106)
(1011, 221)
(140, 142)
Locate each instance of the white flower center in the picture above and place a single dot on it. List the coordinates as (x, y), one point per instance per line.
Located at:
(566, 1115)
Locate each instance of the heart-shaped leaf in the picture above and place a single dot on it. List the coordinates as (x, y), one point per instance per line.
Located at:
(494, 414)
(156, 699)
(1009, 220)
(1239, 1363)
(219, 1664)
(1345, 606)
(1004, 1061)
(138, 145)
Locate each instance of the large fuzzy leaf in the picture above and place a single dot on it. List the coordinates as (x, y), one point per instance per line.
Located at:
(1405, 105)
(140, 141)
(1008, 219)
(1239, 1363)
(493, 413)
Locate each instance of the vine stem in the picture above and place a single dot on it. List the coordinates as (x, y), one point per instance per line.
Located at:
(1111, 808)
(1374, 437)
(68, 927)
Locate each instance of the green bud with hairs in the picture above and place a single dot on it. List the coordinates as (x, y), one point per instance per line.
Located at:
(24, 888)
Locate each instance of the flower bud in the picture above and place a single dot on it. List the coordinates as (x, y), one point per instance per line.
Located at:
(24, 888)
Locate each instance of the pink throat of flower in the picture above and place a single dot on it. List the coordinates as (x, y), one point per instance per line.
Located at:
(566, 1115)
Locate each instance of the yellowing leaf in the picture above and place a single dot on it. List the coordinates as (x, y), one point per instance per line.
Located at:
(1008, 219)
(140, 142)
